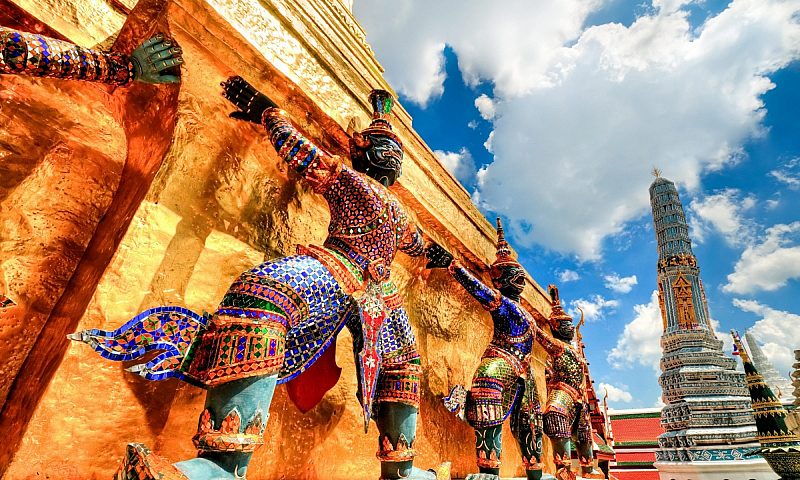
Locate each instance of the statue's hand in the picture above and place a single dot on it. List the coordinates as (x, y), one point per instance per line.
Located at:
(249, 102)
(156, 61)
(437, 256)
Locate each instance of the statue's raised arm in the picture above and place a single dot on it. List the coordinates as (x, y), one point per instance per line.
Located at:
(154, 61)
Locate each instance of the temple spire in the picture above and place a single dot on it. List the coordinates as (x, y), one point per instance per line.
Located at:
(779, 446)
(780, 384)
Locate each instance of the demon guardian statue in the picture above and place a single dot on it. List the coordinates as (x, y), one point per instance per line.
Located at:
(278, 321)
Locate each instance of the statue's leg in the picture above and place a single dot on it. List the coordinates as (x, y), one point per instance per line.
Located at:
(529, 437)
(397, 427)
(584, 444)
(228, 436)
(489, 448)
(240, 356)
(489, 402)
(558, 420)
(397, 400)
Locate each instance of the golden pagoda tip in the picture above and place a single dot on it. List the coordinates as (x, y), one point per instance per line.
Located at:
(656, 172)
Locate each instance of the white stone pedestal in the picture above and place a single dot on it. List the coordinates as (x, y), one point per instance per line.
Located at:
(719, 470)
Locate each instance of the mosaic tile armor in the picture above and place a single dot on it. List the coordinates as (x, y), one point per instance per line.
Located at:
(36, 55)
(503, 385)
(278, 321)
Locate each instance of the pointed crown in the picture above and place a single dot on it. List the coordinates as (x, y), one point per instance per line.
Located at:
(558, 312)
(504, 254)
(382, 103)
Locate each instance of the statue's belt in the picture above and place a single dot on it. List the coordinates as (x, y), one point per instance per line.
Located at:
(498, 351)
(375, 268)
(573, 392)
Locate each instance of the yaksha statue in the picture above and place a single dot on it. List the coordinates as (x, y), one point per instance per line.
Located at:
(503, 385)
(23, 53)
(278, 322)
(567, 412)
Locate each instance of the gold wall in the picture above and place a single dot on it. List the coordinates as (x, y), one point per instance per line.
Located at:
(112, 202)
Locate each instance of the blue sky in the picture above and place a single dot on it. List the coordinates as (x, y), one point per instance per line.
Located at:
(582, 99)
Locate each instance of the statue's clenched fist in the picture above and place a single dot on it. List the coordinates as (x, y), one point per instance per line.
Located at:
(249, 102)
(154, 59)
(437, 256)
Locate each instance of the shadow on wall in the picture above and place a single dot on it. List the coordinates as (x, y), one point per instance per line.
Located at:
(78, 159)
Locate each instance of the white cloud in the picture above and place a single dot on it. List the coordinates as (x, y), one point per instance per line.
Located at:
(725, 336)
(620, 284)
(788, 174)
(472, 124)
(567, 275)
(768, 265)
(615, 394)
(511, 45)
(639, 343)
(623, 99)
(488, 145)
(722, 212)
(582, 114)
(594, 307)
(460, 164)
(772, 203)
(776, 331)
(485, 106)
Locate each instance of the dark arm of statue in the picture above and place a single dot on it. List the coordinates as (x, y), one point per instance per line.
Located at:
(438, 257)
(154, 61)
(302, 156)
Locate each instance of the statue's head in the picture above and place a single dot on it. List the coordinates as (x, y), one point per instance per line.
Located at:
(560, 322)
(507, 274)
(377, 151)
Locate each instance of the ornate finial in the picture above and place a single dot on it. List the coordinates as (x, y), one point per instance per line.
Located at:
(558, 312)
(738, 347)
(656, 172)
(382, 103)
(504, 253)
(553, 291)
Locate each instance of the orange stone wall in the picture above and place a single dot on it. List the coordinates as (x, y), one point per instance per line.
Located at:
(112, 202)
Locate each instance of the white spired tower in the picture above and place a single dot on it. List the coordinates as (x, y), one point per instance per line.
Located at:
(780, 385)
(708, 417)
